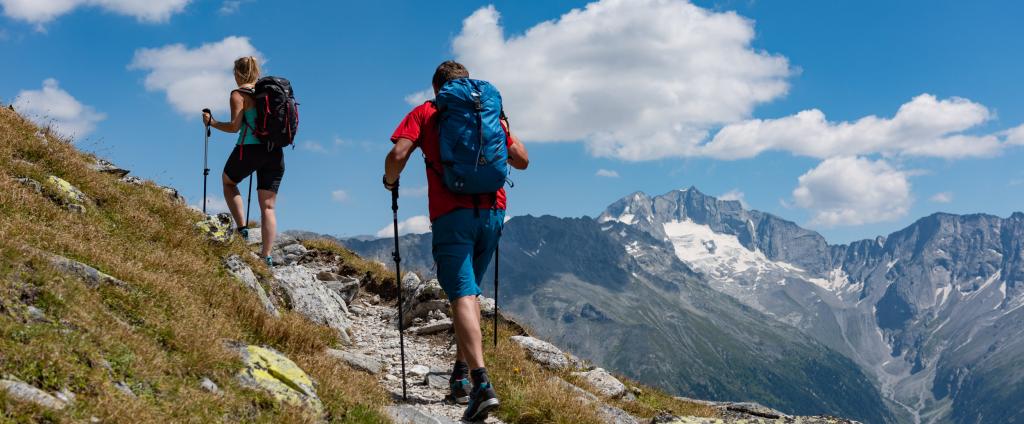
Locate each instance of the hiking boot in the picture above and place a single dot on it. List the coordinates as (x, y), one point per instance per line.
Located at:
(460, 391)
(244, 233)
(482, 401)
(270, 261)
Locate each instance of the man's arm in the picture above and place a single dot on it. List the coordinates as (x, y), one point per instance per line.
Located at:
(395, 162)
(517, 154)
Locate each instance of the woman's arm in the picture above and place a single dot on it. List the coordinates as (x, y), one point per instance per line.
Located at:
(518, 157)
(237, 107)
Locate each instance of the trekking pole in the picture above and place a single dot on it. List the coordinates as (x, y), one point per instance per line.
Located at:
(206, 166)
(248, 203)
(398, 279)
(496, 265)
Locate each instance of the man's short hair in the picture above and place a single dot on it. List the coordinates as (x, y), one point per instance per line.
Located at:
(447, 71)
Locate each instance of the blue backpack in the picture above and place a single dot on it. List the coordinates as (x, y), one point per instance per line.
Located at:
(474, 155)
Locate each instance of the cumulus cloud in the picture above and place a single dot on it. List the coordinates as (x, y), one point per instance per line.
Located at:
(194, 78)
(214, 205)
(736, 195)
(608, 173)
(416, 225)
(924, 126)
(635, 80)
(942, 197)
(1015, 135)
(851, 190)
(312, 146)
(55, 107)
(42, 11)
(339, 196)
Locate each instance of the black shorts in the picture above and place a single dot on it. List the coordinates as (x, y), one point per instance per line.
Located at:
(269, 166)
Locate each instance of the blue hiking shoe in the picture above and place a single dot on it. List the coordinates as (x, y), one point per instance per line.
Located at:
(460, 391)
(270, 261)
(244, 233)
(482, 401)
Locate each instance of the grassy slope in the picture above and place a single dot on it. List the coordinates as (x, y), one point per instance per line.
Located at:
(165, 331)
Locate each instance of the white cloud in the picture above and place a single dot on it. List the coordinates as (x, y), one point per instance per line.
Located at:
(419, 97)
(339, 196)
(608, 173)
(195, 78)
(853, 191)
(635, 80)
(313, 146)
(942, 197)
(413, 191)
(229, 7)
(924, 126)
(53, 106)
(1015, 135)
(416, 225)
(42, 11)
(214, 205)
(736, 195)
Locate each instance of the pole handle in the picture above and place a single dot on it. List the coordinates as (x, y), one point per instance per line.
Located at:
(207, 110)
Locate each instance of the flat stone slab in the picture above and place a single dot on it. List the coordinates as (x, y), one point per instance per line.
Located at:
(358, 361)
(544, 353)
(603, 382)
(407, 414)
(24, 392)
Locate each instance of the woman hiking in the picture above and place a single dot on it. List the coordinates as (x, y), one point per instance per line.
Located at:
(249, 156)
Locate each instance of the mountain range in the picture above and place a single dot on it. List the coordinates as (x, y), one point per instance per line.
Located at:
(708, 299)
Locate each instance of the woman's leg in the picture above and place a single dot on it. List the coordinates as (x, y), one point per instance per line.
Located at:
(233, 198)
(268, 220)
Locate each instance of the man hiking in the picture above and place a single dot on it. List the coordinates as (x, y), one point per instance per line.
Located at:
(465, 227)
(259, 147)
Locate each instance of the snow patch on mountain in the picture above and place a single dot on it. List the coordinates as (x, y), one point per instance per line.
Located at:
(719, 256)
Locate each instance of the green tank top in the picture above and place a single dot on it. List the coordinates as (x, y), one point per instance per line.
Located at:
(245, 134)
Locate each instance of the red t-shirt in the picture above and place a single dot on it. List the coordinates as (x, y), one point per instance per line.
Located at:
(420, 126)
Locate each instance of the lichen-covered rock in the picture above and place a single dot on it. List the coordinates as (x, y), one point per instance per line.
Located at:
(310, 297)
(24, 392)
(422, 300)
(544, 353)
(241, 271)
(92, 276)
(269, 370)
(216, 227)
(603, 382)
(67, 194)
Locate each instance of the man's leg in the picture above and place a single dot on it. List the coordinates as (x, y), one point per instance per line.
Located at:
(233, 198)
(467, 331)
(268, 219)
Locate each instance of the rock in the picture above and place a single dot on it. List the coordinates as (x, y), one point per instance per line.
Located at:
(36, 315)
(417, 372)
(133, 180)
(610, 413)
(408, 414)
(283, 240)
(358, 361)
(346, 287)
(66, 396)
(41, 137)
(269, 370)
(104, 166)
(67, 194)
(754, 409)
(92, 276)
(292, 253)
(421, 299)
(209, 386)
(241, 271)
(23, 392)
(486, 306)
(36, 186)
(255, 236)
(124, 388)
(433, 327)
(327, 276)
(438, 381)
(544, 353)
(173, 194)
(311, 298)
(603, 382)
(216, 227)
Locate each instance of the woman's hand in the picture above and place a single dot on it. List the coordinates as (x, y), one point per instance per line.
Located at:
(207, 118)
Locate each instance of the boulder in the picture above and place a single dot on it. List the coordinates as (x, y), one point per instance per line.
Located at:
(67, 194)
(311, 298)
(241, 271)
(104, 166)
(133, 180)
(422, 300)
(754, 409)
(23, 392)
(432, 327)
(408, 414)
(216, 227)
(603, 382)
(611, 414)
(486, 306)
(173, 194)
(544, 353)
(292, 253)
(92, 276)
(358, 361)
(269, 370)
(438, 381)
(34, 185)
(346, 287)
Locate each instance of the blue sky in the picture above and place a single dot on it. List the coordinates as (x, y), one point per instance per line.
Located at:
(765, 101)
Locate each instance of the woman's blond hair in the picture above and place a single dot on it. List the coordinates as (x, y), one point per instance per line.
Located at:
(247, 70)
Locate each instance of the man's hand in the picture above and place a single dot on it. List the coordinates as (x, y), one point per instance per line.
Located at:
(390, 186)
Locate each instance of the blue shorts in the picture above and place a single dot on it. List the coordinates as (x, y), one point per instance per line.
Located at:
(463, 246)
